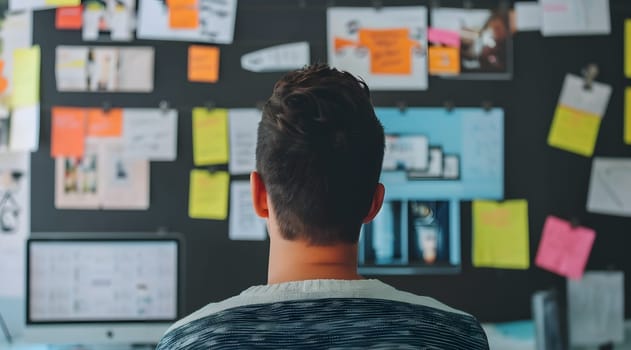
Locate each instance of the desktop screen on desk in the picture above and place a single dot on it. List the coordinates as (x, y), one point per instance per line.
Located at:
(77, 281)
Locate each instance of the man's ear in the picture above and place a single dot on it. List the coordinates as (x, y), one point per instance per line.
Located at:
(259, 195)
(377, 201)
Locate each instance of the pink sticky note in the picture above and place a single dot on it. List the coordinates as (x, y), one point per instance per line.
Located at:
(445, 37)
(564, 249)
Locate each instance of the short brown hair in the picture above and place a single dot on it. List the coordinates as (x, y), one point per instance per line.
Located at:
(319, 152)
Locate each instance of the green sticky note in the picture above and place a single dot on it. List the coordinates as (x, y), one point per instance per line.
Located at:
(500, 234)
(26, 77)
(210, 136)
(208, 196)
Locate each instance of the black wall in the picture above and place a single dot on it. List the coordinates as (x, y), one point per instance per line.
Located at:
(554, 182)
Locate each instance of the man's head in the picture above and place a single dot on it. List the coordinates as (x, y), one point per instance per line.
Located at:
(319, 154)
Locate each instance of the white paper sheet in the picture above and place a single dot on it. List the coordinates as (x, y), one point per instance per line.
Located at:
(150, 133)
(244, 223)
(18, 5)
(528, 16)
(103, 179)
(243, 127)
(575, 95)
(575, 17)
(280, 58)
(24, 132)
(596, 308)
(71, 68)
(216, 20)
(116, 17)
(610, 187)
(15, 220)
(344, 22)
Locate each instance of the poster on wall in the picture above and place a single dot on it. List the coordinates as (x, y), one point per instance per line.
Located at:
(485, 44)
(206, 21)
(386, 47)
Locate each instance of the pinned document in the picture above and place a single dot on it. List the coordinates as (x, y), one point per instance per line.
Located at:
(575, 17)
(610, 187)
(596, 308)
(527, 16)
(578, 115)
(280, 58)
(243, 124)
(208, 195)
(68, 132)
(203, 64)
(627, 116)
(210, 136)
(24, 131)
(564, 249)
(500, 234)
(150, 133)
(627, 48)
(244, 223)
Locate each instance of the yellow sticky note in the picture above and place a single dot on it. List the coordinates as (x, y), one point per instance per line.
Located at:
(574, 131)
(63, 2)
(500, 234)
(210, 136)
(627, 48)
(26, 77)
(627, 116)
(208, 196)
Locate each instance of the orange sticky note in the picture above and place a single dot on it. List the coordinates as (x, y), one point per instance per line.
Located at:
(4, 82)
(181, 3)
(68, 132)
(444, 60)
(390, 50)
(69, 17)
(105, 124)
(203, 63)
(183, 17)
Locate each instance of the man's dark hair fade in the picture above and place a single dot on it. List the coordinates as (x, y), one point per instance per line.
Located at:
(319, 153)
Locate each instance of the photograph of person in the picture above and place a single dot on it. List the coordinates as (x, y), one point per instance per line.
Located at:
(428, 230)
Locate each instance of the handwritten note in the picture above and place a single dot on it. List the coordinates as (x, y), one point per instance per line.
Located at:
(26, 77)
(564, 249)
(244, 223)
(210, 136)
(203, 64)
(244, 124)
(68, 132)
(444, 37)
(390, 50)
(69, 18)
(596, 308)
(183, 17)
(208, 196)
(627, 116)
(105, 124)
(574, 131)
(444, 60)
(500, 234)
(150, 134)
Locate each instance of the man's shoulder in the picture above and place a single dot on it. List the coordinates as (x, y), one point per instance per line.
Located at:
(313, 305)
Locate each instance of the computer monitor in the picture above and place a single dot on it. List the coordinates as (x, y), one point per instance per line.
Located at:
(99, 291)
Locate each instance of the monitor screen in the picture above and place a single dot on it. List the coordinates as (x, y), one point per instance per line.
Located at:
(78, 281)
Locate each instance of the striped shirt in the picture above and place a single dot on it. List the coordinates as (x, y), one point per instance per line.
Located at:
(326, 314)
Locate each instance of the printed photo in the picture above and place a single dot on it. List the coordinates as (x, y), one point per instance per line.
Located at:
(485, 40)
(428, 232)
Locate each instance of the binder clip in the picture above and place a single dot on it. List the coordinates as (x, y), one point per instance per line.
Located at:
(589, 75)
(402, 106)
(210, 105)
(377, 4)
(212, 169)
(449, 105)
(575, 222)
(435, 4)
(467, 4)
(487, 106)
(107, 107)
(164, 106)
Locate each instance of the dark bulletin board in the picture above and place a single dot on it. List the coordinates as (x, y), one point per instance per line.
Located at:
(554, 182)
